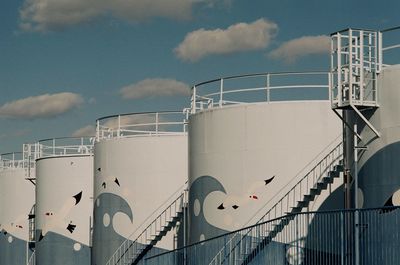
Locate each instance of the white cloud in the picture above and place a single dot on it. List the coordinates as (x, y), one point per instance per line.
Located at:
(88, 130)
(291, 50)
(43, 106)
(49, 15)
(154, 87)
(236, 38)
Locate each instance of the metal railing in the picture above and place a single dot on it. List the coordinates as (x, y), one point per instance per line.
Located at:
(289, 200)
(21, 160)
(357, 58)
(130, 249)
(309, 238)
(141, 124)
(32, 259)
(11, 160)
(260, 87)
(390, 45)
(66, 146)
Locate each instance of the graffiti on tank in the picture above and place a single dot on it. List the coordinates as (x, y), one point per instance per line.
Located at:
(58, 220)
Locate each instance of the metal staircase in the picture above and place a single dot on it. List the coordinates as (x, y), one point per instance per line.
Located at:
(31, 218)
(132, 251)
(242, 248)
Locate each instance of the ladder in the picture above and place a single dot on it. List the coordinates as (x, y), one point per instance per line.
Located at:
(356, 61)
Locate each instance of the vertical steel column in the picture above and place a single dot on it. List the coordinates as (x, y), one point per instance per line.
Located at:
(350, 66)
(356, 213)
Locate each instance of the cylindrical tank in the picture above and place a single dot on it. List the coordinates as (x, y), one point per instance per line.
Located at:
(64, 201)
(379, 169)
(140, 166)
(16, 203)
(248, 142)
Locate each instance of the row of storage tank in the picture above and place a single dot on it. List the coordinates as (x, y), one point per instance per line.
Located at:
(80, 201)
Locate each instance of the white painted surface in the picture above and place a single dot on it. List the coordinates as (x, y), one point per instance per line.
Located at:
(17, 196)
(149, 169)
(386, 117)
(243, 145)
(57, 180)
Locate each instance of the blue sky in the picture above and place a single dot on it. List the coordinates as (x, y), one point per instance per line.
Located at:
(65, 63)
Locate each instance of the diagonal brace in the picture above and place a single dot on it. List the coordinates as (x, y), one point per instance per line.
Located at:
(366, 121)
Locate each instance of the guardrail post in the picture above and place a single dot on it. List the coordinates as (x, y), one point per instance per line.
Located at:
(221, 92)
(54, 146)
(119, 126)
(194, 100)
(97, 130)
(157, 120)
(268, 89)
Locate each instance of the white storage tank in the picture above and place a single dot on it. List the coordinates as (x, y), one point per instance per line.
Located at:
(17, 191)
(378, 167)
(64, 201)
(365, 86)
(140, 169)
(252, 138)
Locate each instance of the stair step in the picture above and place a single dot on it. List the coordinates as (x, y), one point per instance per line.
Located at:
(338, 168)
(327, 180)
(308, 197)
(315, 191)
(322, 185)
(162, 233)
(302, 204)
(296, 209)
(333, 174)
(168, 227)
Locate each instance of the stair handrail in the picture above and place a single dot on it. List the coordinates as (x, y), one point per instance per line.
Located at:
(167, 213)
(32, 260)
(338, 148)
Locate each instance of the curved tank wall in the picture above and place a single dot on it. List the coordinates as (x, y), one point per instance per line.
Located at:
(64, 206)
(379, 167)
(133, 177)
(17, 198)
(234, 149)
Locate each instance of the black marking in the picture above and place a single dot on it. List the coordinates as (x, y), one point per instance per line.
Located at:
(5, 232)
(267, 181)
(71, 228)
(31, 216)
(221, 206)
(41, 236)
(235, 206)
(72, 163)
(99, 169)
(104, 185)
(78, 197)
(117, 182)
(388, 203)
